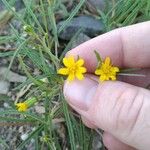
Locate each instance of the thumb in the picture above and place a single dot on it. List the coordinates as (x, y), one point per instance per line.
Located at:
(116, 107)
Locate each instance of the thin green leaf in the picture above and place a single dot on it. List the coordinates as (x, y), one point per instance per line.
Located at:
(73, 13)
(99, 59)
(131, 74)
(31, 115)
(69, 124)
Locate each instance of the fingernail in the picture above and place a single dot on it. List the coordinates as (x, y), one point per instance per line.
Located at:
(80, 93)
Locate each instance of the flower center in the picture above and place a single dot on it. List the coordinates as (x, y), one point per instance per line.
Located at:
(73, 69)
(107, 70)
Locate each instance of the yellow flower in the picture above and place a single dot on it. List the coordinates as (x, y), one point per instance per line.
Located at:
(74, 69)
(26, 104)
(22, 106)
(107, 71)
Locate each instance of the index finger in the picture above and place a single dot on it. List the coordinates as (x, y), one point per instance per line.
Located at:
(127, 47)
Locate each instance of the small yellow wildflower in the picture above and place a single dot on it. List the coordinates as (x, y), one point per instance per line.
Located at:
(107, 71)
(22, 106)
(26, 104)
(74, 69)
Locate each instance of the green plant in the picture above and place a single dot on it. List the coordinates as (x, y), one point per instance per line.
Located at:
(41, 48)
(122, 13)
(37, 43)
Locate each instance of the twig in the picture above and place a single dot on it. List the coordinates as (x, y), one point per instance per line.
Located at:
(99, 132)
(7, 49)
(113, 12)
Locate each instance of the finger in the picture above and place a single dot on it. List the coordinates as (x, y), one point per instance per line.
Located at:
(127, 47)
(116, 107)
(111, 143)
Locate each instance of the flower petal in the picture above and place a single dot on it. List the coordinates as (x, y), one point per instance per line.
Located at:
(71, 60)
(63, 71)
(102, 78)
(107, 61)
(66, 62)
(113, 77)
(79, 76)
(21, 106)
(71, 77)
(115, 69)
(98, 71)
(81, 69)
(80, 62)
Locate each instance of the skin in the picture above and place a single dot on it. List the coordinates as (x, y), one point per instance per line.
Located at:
(120, 108)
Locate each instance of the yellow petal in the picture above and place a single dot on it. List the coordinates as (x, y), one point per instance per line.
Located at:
(71, 60)
(81, 70)
(98, 71)
(115, 69)
(113, 78)
(66, 62)
(71, 77)
(79, 76)
(107, 61)
(22, 106)
(63, 71)
(102, 78)
(80, 62)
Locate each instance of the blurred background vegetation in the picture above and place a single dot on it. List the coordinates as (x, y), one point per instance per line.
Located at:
(34, 37)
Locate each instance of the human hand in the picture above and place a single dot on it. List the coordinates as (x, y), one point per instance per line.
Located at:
(121, 109)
